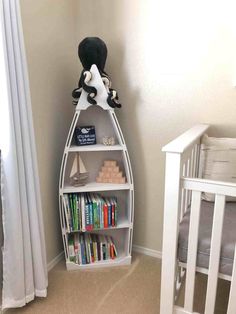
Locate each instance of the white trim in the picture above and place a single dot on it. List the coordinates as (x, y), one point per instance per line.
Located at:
(54, 261)
(187, 139)
(147, 251)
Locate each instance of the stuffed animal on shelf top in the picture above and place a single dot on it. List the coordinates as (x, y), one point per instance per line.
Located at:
(93, 50)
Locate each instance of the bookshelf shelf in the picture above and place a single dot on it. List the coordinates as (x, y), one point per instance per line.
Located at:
(119, 261)
(103, 118)
(95, 148)
(96, 187)
(123, 225)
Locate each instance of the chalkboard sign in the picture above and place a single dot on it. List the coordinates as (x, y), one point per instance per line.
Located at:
(85, 135)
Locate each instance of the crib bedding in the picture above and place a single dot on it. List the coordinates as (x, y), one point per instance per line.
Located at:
(204, 240)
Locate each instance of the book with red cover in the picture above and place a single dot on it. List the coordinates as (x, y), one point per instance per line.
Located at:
(105, 211)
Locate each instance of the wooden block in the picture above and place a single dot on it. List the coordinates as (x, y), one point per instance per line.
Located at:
(116, 175)
(104, 174)
(122, 180)
(115, 169)
(110, 163)
(110, 169)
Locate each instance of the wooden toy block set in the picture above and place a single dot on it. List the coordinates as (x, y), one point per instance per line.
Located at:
(110, 173)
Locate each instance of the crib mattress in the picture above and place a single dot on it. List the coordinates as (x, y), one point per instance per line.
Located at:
(204, 240)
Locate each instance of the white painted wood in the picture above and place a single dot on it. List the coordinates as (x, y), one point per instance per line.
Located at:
(94, 186)
(120, 225)
(205, 271)
(95, 148)
(170, 233)
(101, 97)
(215, 253)
(209, 186)
(232, 295)
(125, 228)
(179, 151)
(147, 251)
(187, 139)
(192, 250)
(120, 261)
(55, 261)
(180, 310)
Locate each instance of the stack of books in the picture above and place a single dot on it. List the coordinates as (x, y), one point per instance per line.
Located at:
(88, 211)
(85, 248)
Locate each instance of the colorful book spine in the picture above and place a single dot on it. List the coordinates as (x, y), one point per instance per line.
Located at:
(87, 214)
(105, 212)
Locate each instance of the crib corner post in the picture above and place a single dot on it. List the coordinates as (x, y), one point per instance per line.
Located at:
(170, 232)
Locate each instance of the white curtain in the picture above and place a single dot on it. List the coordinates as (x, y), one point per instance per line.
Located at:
(24, 258)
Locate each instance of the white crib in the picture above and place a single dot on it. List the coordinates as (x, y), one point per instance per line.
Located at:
(183, 188)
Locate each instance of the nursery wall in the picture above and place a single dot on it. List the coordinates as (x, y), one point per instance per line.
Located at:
(173, 64)
(49, 32)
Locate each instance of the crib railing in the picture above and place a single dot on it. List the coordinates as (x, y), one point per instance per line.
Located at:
(220, 190)
(182, 160)
(184, 189)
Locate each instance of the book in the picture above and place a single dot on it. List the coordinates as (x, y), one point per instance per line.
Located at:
(83, 251)
(95, 212)
(91, 215)
(66, 211)
(71, 250)
(88, 226)
(71, 211)
(109, 212)
(105, 213)
(82, 207)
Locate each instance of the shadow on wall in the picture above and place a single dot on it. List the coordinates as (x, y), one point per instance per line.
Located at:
(110, 28)
(130, 98)
(1, 238)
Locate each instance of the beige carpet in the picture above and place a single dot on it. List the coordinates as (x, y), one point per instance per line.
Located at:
(131, 289)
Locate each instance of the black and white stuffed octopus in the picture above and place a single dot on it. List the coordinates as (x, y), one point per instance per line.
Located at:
(93, 50)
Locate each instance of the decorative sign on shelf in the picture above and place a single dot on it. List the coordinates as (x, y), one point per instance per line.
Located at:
(85, 135)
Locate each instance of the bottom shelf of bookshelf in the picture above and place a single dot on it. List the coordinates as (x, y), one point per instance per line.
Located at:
(119, 261)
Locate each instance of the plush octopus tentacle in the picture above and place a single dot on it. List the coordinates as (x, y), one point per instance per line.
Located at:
(91, 90)
(92, 50)
(112, 99)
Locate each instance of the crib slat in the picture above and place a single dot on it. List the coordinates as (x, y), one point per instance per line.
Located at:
(215, 253)
(192, 250)
(232, 299)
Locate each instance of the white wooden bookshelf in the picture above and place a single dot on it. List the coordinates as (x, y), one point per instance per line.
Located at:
(105, 121)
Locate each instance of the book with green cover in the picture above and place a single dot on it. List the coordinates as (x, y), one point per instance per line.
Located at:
(95, 212)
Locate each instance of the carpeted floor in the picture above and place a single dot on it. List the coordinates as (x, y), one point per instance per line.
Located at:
(131, 289)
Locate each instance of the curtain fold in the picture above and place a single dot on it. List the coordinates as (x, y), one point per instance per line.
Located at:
(24, 257)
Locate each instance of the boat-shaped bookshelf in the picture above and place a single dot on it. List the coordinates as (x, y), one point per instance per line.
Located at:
(104, 119)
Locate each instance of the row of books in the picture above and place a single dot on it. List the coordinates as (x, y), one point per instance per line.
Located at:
(88, 211)
(86, 248)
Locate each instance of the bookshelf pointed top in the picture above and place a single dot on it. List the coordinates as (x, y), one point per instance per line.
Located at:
(102, 94)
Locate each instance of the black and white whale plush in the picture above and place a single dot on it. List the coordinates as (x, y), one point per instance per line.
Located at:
(93, 50)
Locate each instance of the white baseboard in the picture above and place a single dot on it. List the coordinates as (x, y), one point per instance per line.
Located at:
(54, 261)
(146, 251)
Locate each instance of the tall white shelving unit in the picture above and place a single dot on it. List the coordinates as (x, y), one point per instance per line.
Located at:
(105, 121)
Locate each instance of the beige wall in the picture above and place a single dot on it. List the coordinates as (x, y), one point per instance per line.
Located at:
(49, 32)
(172, 63)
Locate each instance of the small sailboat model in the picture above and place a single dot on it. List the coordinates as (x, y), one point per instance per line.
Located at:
(78, 175)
